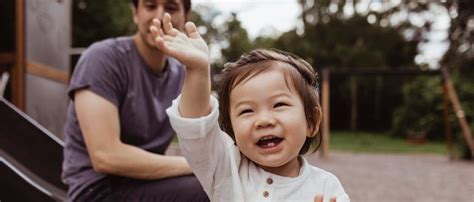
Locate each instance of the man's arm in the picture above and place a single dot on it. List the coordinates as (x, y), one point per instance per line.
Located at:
(100, 126)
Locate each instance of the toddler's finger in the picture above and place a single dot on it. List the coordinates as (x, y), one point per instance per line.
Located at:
(168, 26)
(318, 198)
(332, 199)
(191, 30)
(159, 42)
(157, 24)
(154, 31)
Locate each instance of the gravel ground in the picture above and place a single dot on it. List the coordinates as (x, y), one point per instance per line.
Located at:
(397, 178)
(391, 177)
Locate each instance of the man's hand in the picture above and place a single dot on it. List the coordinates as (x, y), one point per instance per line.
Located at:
(189, 48)
(319, 198)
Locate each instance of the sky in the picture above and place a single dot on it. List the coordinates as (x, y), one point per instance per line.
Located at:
(259, 15)
(272, 17)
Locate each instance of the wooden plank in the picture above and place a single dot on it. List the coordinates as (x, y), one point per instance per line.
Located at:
(4, 77)
(325, 121)
(18, 71)
(447, 124)
(47, 72)
(7, 58)
(453, 97)
(382, 71)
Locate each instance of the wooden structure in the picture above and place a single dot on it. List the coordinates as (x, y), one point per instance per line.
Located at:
(450, 96)
(35, 52)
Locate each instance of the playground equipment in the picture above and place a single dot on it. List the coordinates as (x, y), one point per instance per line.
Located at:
(30, 158)
(3, 83)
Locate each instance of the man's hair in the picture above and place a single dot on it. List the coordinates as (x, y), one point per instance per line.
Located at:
(186, 4)
(298, 71)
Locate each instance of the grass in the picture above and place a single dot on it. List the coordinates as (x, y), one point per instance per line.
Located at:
(380, 143)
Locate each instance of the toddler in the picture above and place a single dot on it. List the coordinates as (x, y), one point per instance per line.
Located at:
(249, 145)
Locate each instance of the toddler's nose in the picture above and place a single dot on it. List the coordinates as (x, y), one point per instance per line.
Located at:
(265, 120)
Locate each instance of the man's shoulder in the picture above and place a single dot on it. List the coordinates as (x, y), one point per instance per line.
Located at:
(119, 45)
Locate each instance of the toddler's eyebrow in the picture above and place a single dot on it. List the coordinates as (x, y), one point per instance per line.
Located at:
(249, 102)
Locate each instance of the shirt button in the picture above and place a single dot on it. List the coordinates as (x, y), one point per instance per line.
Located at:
(266, 194)
(269, 180)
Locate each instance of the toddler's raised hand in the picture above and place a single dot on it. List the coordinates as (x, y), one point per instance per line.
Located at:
(190, 49)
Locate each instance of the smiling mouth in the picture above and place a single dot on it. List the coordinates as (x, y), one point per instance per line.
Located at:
(269, 141)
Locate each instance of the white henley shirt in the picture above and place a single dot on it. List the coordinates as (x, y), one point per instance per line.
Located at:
(227, 175)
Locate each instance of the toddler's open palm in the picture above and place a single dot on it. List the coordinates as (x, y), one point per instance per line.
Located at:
(189, 48)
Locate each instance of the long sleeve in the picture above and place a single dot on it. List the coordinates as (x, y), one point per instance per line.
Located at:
(210, 152)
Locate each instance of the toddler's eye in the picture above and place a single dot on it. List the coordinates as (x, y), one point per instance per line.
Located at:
(245, 111)
(280, 104)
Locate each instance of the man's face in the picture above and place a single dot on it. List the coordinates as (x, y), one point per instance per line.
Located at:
(146, 10)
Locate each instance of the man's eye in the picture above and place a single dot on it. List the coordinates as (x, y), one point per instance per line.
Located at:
(150, 6)
(245, 111)
(172, 8)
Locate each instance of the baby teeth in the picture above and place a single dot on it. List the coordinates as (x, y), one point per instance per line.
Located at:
(267, 137)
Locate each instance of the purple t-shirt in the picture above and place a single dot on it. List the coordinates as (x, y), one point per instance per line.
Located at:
(114, 70)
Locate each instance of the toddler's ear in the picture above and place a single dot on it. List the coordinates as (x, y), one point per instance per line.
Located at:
(319, 116)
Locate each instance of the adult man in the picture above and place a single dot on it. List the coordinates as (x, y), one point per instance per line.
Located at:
(117, 129)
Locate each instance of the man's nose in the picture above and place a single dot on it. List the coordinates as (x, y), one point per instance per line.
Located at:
(159, 12)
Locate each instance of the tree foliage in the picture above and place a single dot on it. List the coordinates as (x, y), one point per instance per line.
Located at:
(460, 55)
(237, 38)
(96, 20)
(351, 42)
(397, 14)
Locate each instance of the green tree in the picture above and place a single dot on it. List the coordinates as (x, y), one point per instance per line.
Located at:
(237, 39)
(351, 42)
(97, 20)
(422, 108)
(203, 17)
(460, 55)
(398, 15)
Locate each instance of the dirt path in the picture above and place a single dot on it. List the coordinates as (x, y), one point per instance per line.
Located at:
(398, 178)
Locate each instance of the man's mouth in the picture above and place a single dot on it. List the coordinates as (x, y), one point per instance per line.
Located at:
(269, 141)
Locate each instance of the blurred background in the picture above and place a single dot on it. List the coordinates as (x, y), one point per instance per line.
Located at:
(383, 59)
(342, 35)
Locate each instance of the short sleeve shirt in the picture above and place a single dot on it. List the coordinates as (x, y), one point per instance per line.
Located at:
(114, 70)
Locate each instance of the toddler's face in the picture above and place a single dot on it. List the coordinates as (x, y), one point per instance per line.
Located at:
(269, 121)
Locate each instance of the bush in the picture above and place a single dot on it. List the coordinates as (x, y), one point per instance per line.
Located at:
(422, 108)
